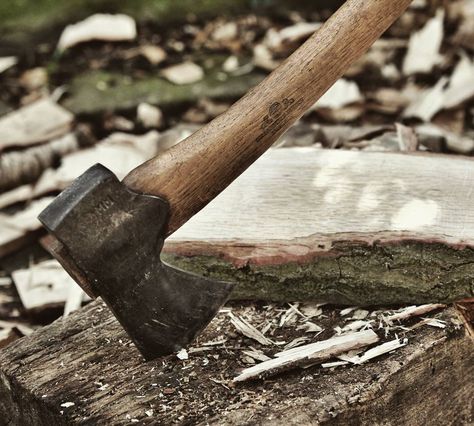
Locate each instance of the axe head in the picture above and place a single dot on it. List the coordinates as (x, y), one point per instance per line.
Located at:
(109, 239)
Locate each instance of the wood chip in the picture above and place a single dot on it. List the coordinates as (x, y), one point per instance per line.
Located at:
(24, 329)
(256, 354)
(342, 93)
(436, 135)
(120, 152)
(182, 354)
(413, 311)
(16, 229)
(407, 139)
(461, 85)
(377, 351)
(334, 364)
(9, 335)
(347, 311)
(100, 26)
(5, 281)
(310, 327)
(433, 322)
(424, 46)
(312, 310)
(296, 342)
(38, 122)
(249, 330)
(7, 62)
(225, 32)
(74, 299)
(42, 285)
(184, 73)
(428, 103)
(154, 54)
(353, 326)
(149, 116)
(308, 354)
(263, 58)
(277, 40)
(360, 314)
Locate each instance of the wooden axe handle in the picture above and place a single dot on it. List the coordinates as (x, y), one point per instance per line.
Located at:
(190, 174)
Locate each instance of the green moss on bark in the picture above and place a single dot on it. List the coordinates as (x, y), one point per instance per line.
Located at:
(99, 91)
(361, 275)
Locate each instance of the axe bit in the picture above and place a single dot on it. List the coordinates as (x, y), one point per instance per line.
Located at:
(108, 234)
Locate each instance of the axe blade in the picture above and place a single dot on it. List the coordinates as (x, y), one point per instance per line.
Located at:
(109, 239)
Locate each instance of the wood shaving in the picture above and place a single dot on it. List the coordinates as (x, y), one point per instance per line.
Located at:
(413, 311)
(98, 27)
(308, 354)
(249, 330)
(424, 46)
(377, 351)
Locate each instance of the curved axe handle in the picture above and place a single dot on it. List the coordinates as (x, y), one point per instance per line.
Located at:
(193, 172)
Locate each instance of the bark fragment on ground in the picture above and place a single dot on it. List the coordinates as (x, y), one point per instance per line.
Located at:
(83, 369)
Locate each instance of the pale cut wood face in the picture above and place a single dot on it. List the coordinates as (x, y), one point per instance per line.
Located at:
(192, 173)
(293, 193)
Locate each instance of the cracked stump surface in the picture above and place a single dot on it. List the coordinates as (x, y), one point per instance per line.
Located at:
(84, 370)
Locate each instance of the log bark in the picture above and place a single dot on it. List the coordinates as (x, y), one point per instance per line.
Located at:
(339, 226)
(84, 370)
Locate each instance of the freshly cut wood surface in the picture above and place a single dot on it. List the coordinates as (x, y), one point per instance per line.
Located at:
(341, 226)
(293, 193)
(84, 370)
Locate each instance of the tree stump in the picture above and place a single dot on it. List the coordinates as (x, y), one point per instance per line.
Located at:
(84, 370)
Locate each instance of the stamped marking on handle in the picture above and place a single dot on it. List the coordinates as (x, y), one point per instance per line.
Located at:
(276, 117)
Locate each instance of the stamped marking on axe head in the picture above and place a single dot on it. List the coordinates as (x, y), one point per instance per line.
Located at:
(109, 239)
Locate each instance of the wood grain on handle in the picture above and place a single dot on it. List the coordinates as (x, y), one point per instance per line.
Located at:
(193, 172)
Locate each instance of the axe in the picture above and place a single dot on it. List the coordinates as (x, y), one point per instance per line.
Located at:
(108, 234)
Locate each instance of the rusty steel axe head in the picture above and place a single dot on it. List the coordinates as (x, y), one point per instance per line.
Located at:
(109, 239)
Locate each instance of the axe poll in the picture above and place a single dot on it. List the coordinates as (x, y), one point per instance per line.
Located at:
(108, 234)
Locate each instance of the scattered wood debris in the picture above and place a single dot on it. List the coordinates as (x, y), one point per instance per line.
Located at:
(249, 330)
(98, 27)
(309, 354)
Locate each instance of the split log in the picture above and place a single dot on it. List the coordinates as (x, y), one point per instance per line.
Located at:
(339, 226)
(84, 370)
(20, 167)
